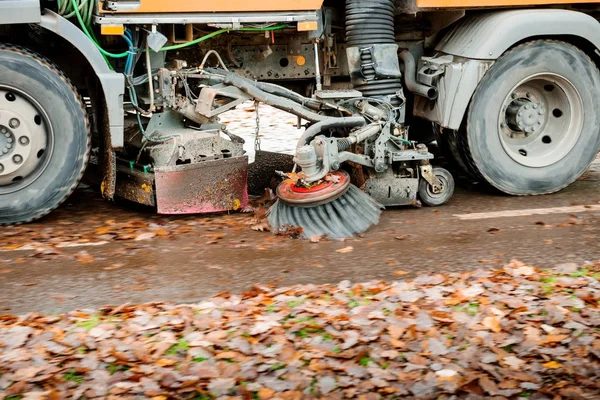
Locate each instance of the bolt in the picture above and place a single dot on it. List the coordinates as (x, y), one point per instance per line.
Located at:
(9, 146)
(527, 107)
(535, 106)
(9, 140)
(4, 151)
(528, 95)
(520, 114)
(512, 135)
(24, 140)
(17, 159)
(541, 112)
(14, 123)
(539, 122)
(502, 125)
(514, 95)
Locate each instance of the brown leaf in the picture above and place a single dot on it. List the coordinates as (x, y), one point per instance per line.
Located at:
(400, 272)
(488, 385)
(165, 362)
(84, 257)
(265, 393)
(492, 323)
(346, 249)
(554, 339)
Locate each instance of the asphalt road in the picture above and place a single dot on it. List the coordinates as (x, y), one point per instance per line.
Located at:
(86, 254)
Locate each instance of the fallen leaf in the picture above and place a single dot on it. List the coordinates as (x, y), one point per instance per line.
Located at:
(316, 238)
(165, 362)
(492, 323)
(84, 257)
(265, 393)
(113, 266)
(552, 365)
(346, 249)
(401, 272)
(145, 236)
(554, 339)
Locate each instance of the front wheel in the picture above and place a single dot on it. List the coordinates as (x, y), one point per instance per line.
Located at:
(44, 136)
(533, 126)
(440, 195)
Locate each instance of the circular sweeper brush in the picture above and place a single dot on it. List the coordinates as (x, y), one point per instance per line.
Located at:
(332, 207)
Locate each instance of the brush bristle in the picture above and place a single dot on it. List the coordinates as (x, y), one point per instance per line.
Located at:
(354, 212)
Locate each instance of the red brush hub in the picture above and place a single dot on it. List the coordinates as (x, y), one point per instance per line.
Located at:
(333, 186)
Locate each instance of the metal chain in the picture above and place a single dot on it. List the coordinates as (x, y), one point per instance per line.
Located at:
(256, 137)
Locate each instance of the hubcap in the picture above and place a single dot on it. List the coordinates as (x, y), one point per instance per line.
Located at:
(25, 139)
(541, 120)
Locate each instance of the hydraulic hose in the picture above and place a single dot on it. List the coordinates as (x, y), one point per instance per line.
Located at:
(273, 89)
(279, 102)
(410, 77)
(315, 129)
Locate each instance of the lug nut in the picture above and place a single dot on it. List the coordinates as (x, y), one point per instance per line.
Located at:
(9, 140)
(8, 146)
(17, 159)
(535, 106)
(4, 151)
(24, 140)
(14, 123)
(528, 95)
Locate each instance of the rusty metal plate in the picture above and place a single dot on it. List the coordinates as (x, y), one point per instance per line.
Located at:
(135, 185)
(204, 187)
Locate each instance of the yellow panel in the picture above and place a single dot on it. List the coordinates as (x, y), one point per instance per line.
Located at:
(487, 3)
(308, 26)
(112, 29)
(162, 6)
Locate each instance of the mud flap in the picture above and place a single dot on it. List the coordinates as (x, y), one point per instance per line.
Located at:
(204, 187)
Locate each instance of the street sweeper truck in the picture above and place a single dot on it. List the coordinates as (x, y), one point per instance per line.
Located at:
(136, 88)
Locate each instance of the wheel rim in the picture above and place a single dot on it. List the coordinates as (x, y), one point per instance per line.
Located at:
(541, 120)
(26, 139)
(442, 192)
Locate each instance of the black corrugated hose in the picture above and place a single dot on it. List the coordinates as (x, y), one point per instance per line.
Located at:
(368, 23)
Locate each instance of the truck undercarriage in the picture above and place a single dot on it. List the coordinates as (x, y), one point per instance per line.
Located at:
(372, 83)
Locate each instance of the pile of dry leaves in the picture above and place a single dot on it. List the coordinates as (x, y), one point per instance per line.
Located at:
(512, 333)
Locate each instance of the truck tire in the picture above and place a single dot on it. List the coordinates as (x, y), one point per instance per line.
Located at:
(44, 136)
(533, 125)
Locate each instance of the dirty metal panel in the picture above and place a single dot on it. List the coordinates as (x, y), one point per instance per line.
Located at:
(391, 191)
(204, 187)
(135, 185)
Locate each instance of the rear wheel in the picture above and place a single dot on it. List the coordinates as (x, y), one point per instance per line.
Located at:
(44, 136)
(533, 123)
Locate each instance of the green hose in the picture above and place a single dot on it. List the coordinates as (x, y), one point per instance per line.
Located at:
(215, 33)
(70, 8)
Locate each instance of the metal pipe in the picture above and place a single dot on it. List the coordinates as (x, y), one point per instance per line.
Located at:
(273, 100)
(410, 77)
(317, 67)
(315, 129)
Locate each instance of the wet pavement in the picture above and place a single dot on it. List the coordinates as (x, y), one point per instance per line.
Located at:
(91, 252)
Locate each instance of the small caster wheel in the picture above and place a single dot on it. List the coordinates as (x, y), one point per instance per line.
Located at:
(432, 197)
